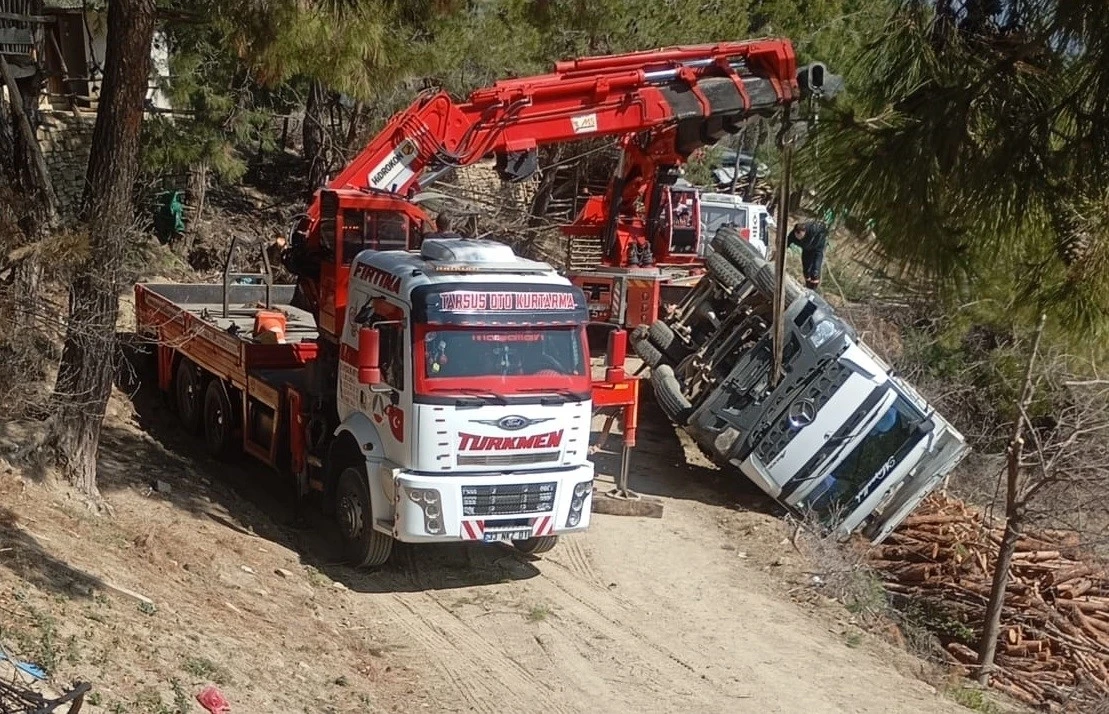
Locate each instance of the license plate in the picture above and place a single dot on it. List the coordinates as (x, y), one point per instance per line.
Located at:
(514, 534)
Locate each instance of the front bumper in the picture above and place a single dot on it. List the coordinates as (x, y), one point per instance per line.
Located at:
(474, 507)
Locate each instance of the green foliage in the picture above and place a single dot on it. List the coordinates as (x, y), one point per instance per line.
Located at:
(970, 141)
(973, 699)
(699, 168)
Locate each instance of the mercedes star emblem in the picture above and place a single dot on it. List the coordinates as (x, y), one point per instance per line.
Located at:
(802, 413)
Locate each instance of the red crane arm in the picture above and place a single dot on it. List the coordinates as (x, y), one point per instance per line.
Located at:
(701, 90)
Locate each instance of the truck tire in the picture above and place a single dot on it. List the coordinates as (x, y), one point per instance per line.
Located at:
(764, 283)
(648, 353)
(363, 547)
(669, 394)
(662, 336)
(219, 420)
(739, 252)
(188, 389)
(536, 546)
(723, 272)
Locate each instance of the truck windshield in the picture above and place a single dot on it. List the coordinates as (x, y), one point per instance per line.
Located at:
(870, 463)
(713, 218)
(501, 360)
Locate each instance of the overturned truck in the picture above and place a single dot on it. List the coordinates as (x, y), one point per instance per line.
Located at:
(838, 436)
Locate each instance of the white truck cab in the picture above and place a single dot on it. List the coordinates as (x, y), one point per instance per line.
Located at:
(752, 220)
(474, 422)
(839, 435)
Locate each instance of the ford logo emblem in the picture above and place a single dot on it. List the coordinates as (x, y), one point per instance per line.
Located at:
(512, 422)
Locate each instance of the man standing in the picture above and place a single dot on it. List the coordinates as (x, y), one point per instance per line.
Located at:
(812, 237)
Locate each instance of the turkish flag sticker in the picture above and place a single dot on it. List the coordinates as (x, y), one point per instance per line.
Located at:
(396, 421)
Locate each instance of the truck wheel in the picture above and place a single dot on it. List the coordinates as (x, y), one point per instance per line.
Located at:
(764, 283)
(219, 420)
(669, 344)
(728, 243)
(648, 353)
(363, 547)
(723, 272)
(536, 546)
(760, 271)
(190, 398)
(669, 394)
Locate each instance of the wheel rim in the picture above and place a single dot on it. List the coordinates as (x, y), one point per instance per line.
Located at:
(350, 516)
(214, 424)
(188, 395)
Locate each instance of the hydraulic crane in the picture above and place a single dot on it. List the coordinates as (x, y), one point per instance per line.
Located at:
(677, 100)
(664, 104)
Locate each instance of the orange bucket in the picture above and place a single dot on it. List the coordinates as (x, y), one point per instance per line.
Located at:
(269, 326)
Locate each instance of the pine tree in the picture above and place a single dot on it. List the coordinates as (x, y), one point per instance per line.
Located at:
(972, 137)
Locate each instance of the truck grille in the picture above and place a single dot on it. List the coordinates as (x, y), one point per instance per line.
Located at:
(508, 500)
(819, 391)
(507, 459)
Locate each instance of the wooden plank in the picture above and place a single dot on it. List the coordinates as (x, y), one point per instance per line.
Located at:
(16, 36)
(29, 19)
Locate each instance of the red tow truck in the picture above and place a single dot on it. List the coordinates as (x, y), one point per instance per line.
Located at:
(440, 389)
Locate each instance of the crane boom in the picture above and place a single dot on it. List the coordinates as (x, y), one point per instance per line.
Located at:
(687, 96)
(702, 87)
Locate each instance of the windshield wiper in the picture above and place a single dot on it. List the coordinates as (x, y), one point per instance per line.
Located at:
(474, 397)
(563, 395)
(482, 394)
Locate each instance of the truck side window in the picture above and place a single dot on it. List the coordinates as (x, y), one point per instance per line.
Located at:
(392, 355)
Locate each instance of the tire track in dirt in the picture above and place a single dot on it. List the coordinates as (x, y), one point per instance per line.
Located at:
(476, 665)
(573, 556)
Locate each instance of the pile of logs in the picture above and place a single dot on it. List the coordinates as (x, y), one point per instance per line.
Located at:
(1054, 647)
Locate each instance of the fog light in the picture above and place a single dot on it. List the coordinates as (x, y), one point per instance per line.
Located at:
(432, 525)
(432, 510)
(574, 519)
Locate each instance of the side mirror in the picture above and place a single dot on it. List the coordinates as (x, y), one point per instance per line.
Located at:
(616, 356)
(369, 353)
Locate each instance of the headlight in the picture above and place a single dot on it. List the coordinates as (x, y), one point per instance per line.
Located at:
(431, 496)
(432, 511)
(824, 331)
(433, 525)
(582, 488)
(573, 520)
(416, 494)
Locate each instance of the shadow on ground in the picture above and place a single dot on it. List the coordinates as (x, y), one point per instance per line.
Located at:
(156, 455)
(668, 465)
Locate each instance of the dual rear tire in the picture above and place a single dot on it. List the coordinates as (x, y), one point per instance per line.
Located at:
(204, 408)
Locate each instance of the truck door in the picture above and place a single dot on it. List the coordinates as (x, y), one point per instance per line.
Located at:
(684, 222)
(391, 410)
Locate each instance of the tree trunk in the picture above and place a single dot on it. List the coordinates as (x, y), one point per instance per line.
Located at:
(196, 192)
(313, 134)
(26, 169)
(1014, 520)
(88, 357)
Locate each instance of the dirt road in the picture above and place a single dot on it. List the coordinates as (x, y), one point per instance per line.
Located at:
(684, 613)
(635, 615)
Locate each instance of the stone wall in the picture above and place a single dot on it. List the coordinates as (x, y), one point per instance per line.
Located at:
(66, 140)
